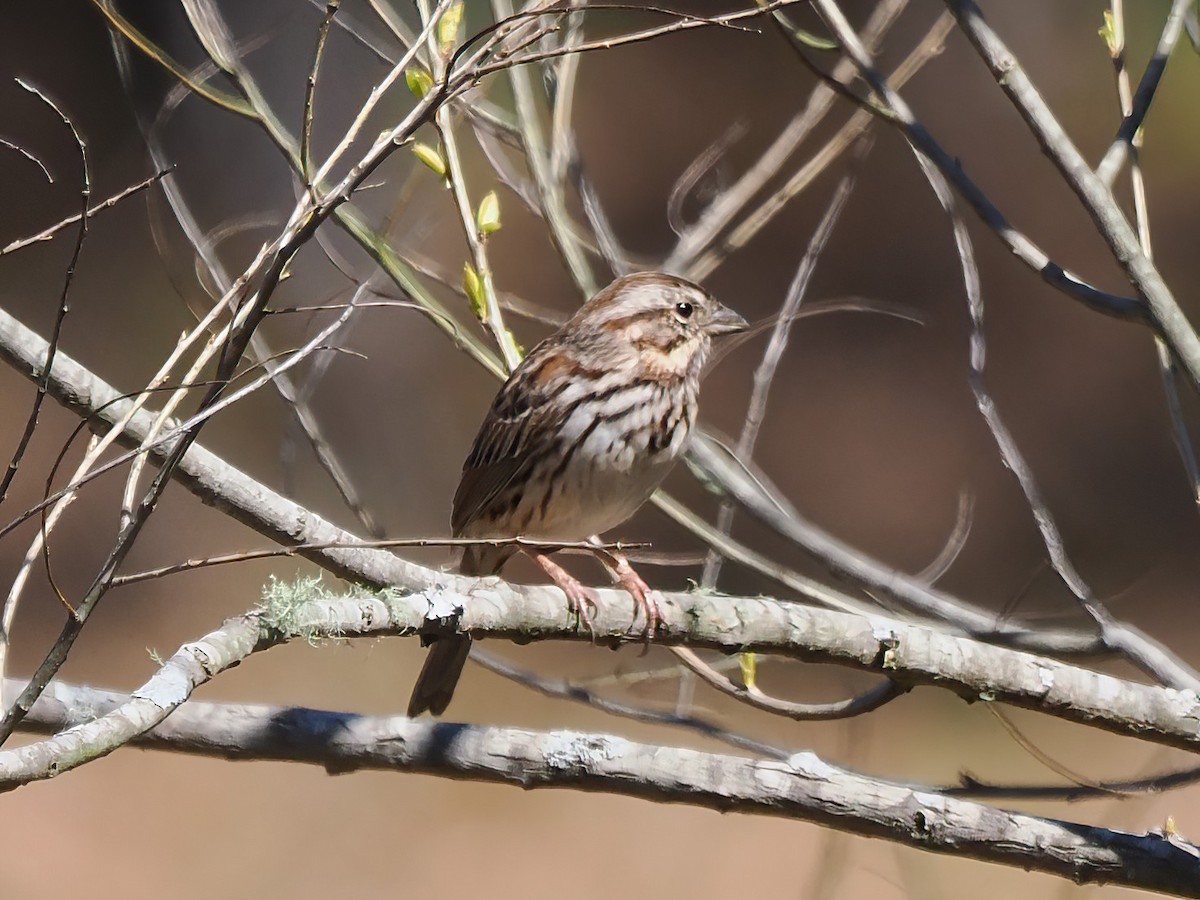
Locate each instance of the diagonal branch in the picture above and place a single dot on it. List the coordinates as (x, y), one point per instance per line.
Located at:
(901, 116)
(1167, 316)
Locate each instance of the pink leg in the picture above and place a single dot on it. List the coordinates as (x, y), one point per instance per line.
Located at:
(624, 575)
(579, 598)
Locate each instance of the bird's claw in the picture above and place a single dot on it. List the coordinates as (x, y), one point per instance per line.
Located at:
(643, 596)
(580, 601)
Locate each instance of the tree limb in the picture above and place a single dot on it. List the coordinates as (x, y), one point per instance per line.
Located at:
(802, 787)
(909, 654)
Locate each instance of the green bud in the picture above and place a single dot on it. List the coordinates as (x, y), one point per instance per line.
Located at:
(448, 26)
(487, 217)
(432, 158)
(748, 662)
(473, 285)
(418, 80)
(1108, 31)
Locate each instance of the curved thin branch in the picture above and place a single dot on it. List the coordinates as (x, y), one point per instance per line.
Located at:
(869, 700)
(570, 690)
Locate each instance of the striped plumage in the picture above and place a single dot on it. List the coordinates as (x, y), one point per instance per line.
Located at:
(581, 434)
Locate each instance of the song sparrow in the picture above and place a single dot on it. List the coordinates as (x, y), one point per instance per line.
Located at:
(579, 437)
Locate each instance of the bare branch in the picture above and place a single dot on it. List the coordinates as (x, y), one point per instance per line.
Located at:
(1167, 365)
(764, 374)
(1166, 315)
(48, 233)
(869, 700)
(803, 787)
(1021, 245)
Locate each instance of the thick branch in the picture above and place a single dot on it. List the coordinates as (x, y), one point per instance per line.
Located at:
(803, 787)
(906, 653)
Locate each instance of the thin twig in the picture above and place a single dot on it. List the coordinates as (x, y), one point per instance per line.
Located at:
(85, 194)
(48, 233)
(52, 348)
(310, 91)
(866, 702)
(304, 549)
(764, 374)
(17, 148)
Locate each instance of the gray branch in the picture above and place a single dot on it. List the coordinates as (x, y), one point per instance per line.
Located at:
(803, 787)
(910, 654)
(1168, 318)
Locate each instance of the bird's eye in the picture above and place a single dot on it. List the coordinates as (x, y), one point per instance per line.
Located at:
(683, 310)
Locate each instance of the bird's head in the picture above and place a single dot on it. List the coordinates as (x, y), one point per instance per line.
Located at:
(659, 321)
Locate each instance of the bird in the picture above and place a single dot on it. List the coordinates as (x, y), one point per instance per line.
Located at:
(584, 430)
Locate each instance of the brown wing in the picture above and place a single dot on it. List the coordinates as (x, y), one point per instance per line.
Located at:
(518, 425)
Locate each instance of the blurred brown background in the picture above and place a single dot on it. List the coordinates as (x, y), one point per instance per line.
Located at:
(872, 433)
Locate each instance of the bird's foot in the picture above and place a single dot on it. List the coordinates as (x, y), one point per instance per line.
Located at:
(579, 599)
(643, 597)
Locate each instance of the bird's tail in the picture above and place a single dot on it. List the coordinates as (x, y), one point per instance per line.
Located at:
(439, 676)
(446, 658)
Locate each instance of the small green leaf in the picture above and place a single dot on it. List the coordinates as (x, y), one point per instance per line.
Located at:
(808, 39)
(1109, 33)
(749, 666)
(487, 217)
(418, 80)
(448, 26)
(432, 158)
(473, 285)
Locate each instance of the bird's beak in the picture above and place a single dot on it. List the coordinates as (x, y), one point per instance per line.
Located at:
(726, 321)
